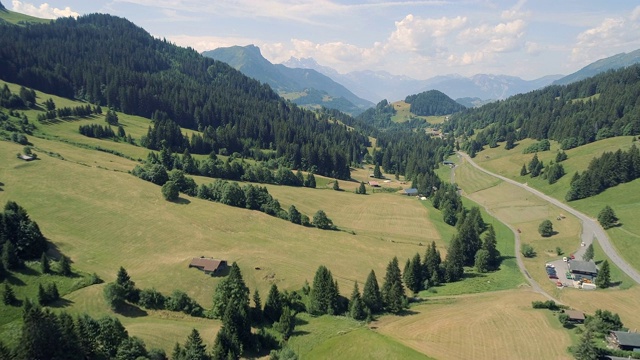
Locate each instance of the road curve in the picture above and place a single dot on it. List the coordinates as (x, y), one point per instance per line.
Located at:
(590, 228)
(534, 284)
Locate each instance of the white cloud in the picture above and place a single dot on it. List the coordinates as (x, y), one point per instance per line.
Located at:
(503, 37)
(612, 34)
(204, 43)
(533, 48)
(422, 35)
(515, 12)
(43, 11)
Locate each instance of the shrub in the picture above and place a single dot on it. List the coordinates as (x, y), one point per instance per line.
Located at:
(527, 251)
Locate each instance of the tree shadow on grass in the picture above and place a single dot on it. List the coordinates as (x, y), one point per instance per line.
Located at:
(299, 321)
(407, 312)
(131, 311)
(299, 333)
(25, 270)
(472, 275)
(61, 303)
(12, 280)
(181, 201)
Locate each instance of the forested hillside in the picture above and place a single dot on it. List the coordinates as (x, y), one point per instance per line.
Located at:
(109, 61)
(596, 108)
(432, 103)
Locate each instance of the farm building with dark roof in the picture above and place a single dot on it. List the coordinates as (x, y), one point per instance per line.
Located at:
(208, 265)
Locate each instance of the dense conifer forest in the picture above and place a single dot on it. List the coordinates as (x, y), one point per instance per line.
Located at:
(596, 108)
(140, 75)
(432, 103)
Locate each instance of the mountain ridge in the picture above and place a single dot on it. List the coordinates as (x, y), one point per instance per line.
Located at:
(378, 85)
(288, 81)
(610, 63)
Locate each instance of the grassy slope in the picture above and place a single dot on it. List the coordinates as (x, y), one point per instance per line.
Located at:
(524, 211)
(624, 199)
(99, 215)
(96, 213)
(483, 326)
(15, 18)
(403, 114)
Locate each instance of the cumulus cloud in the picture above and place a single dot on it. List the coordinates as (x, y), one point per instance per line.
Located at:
(204, 43)
(515, 12)
(423, 35)
(503, 37)
(43, 11)
(617, 34)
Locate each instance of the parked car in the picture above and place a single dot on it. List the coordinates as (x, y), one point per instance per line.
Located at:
(553, 276)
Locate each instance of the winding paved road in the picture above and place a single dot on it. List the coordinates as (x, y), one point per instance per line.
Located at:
(534, 284)
(590, 227)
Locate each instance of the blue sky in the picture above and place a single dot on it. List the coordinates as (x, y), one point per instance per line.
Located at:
(417, 38)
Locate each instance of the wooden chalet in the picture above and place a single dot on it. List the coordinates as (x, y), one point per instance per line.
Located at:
(575, 317)
(210, 266)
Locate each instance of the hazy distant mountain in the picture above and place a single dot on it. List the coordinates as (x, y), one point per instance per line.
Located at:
(470, 102)
(378, 85)
(306, 87)
(611, 63)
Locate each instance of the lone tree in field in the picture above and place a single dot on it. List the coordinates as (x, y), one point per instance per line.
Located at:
(527, 251)
(588, 253)
(336, 186)
(523, 171)
(170, 191)
(603, 280)
(607, 217)
(362, 190)
(321, 221)
(546, 228)
(392, 290)
(323, 298)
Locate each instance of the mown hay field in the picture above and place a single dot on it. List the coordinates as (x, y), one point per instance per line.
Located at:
(483, 326)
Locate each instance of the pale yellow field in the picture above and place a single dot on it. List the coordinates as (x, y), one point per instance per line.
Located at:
(484, 326)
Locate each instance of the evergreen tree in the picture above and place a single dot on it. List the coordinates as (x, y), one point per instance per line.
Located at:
(607, 217)
(586, 349)
(588, 253)
(256, 311)
(43, 298)
(111, 334)
(412, 274)
(8, 295)
(64, 266)
(454, 263)
(323, 298)
(482, 261)
(392, 290)
(371, 295)
(286, 323)
(431, 266)
(603, 279)
(362, 189)
(357, 308)
(523, 171)
(273, 305)
(10, 258)
(294, 215)
(310, 182)
(377, 173)
(131, 293)
(194, 348)
(230, 290)
(469, 240)
(336, 186)
(45, 265)
(490, 245)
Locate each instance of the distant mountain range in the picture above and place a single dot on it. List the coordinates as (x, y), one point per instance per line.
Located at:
(303, 86)
(611, 63)
(378, 85)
